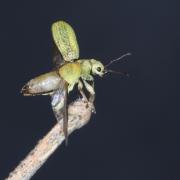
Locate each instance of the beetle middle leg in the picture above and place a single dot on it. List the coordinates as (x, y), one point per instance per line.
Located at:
(80, 88)
(90, 88)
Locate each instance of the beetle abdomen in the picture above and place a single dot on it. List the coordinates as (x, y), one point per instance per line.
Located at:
(43, 84)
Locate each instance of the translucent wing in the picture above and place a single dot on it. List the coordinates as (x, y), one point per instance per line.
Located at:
(57, 103)
(65, 120)
(65, 40)
(59, 106)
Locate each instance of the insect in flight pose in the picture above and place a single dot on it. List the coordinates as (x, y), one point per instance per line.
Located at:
(69, 70)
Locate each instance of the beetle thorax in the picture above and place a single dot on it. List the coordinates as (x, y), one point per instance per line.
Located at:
(70, 72)
(85, 67)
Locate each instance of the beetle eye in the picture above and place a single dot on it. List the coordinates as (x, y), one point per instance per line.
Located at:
(98, 69)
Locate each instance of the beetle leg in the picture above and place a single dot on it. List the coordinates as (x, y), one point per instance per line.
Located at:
(70, 87)
(90, 89)
(87, 77)
(80, 88)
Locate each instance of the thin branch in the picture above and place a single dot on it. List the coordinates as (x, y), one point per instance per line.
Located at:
(79, 113)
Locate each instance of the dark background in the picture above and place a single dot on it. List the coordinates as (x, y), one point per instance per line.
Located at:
(135, 133)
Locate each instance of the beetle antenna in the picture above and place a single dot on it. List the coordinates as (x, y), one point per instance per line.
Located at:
(117, 72)
(121, 57)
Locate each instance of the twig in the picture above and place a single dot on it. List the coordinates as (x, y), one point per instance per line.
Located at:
(79, 113)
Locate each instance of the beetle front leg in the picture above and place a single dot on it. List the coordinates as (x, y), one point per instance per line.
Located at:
(90, 89)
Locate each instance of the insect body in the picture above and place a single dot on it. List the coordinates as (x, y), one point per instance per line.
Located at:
(70, 74)
(69, 71)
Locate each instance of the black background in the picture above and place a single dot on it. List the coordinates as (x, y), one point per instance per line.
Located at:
(135, 133)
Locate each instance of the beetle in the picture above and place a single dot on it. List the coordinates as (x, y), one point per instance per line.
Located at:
(68, 71)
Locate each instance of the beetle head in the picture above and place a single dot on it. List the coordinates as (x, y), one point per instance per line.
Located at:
(97, 67)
